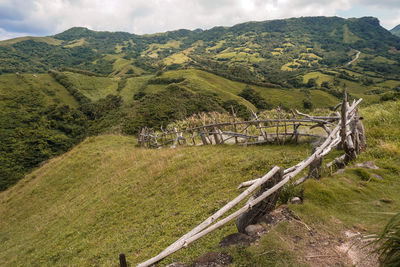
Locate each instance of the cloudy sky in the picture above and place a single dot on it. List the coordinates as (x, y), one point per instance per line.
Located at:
(47, 17)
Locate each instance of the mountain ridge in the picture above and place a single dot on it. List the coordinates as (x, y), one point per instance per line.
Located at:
(258, 50)
(396, 30)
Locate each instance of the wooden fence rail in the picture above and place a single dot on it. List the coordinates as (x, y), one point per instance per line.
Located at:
(348, 132)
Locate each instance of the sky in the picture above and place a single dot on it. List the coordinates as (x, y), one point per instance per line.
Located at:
(48, 17)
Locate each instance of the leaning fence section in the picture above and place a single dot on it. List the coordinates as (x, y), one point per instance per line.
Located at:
(233, 131)
(344, 130)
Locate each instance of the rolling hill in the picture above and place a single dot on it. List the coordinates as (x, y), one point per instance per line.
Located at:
(106, 197)
(44, 115)
(56, 90)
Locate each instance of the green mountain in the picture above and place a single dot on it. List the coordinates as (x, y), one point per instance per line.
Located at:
(253, 52)
(396, 30)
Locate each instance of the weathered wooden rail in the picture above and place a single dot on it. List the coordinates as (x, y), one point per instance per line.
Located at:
(348, 132)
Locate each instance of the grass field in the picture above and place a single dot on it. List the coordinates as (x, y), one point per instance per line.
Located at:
(199, 81)
(204, 82)
(107, 197)
(196, 81)
(43, 84)
(48, 40)
(75, 43)
(354, 88)
(93, 87)
(128, 199)
(132, 86)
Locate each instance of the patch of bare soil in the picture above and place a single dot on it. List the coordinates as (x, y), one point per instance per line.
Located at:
(320, 249)
(312, 246)
(345, 249)
(357, 250)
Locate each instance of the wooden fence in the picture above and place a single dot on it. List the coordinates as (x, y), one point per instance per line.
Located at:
(256, 131)
(348, 132)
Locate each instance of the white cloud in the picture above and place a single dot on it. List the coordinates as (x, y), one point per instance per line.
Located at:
(45, 17)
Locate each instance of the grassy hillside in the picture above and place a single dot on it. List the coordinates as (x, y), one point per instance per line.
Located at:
(38, 119)
(43, 115)
(106, 197)
(198, 81)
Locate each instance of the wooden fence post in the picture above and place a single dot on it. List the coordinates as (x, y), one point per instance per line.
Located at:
(215, 134)
(140, 137)
(362, 145)
(277, 125)
(347, 142)
(259, 125)
(122, 260)
(315, 166)
(234, 123)
(264, 207)
(295, 128)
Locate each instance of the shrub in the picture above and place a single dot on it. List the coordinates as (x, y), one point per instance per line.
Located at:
(290, 191)
(388, 242)
(241, 110)
(307, 104)
(390, 96)
(255, 98)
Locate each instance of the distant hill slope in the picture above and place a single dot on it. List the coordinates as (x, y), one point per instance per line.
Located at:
(107, 197)
(396, 30)
(251, 52)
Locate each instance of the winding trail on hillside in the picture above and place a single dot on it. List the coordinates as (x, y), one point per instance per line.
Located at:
(354, 59)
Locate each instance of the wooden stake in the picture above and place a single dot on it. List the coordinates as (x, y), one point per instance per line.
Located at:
(259, 125)
(234, 123)
(277, 125)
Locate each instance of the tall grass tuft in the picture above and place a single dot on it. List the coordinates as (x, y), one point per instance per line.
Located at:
(388, 242)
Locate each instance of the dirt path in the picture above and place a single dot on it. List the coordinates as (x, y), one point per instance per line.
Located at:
(354, 59)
